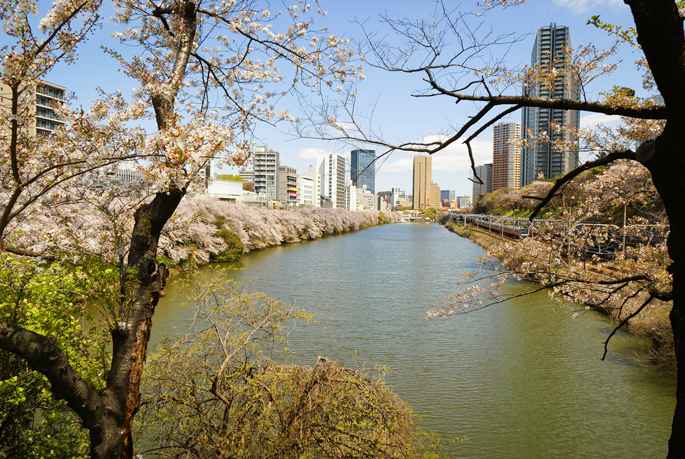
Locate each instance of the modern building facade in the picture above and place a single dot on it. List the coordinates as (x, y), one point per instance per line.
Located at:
(434, 200)
(331, 167)
(48, 97)
(506, 156)
(483, 171)
(449, 195)
(422, 184)
(247, 174)
(363, 169)
(541, 159)
(287, 185)
(265, 167)
(306, 191)
(313, 173)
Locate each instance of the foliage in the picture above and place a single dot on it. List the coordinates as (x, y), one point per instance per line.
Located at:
(231, 177)
(431, 213)
(49, 299)
(220, 391)
(234, 247)
(584, 261)
(192, 55)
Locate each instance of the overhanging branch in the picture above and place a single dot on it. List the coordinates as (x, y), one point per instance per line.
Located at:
(652, 113)
(43, 355)
(623, 322)
(611, 157)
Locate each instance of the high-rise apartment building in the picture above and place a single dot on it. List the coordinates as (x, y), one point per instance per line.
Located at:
(541, 159)
(48, 97)
(363, 169)
(484, 171)
(332, 170)
(506, 156)
(265, 167)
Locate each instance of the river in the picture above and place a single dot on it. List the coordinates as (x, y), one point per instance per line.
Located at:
(517, 380)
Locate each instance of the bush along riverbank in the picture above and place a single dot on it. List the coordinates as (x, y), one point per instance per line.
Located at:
(205, 230)
(651, 323)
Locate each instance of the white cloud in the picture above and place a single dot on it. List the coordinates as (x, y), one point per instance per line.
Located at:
(310, 153)
(598, 118)
(454, 158)
(403, 165)
(581, 6)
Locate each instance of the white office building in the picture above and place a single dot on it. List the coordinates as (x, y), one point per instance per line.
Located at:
(331, 167)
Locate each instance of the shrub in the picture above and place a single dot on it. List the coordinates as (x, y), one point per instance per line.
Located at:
(234, 249)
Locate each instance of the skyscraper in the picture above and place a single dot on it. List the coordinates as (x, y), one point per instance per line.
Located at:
(542, 159)
(422, 194)
(363, 169)
(506, 156)
(484, 171)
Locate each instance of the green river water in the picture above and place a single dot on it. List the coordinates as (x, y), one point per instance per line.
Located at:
(517, 380)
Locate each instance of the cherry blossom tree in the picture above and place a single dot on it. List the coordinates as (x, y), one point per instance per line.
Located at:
(191, 54)
(449, 53)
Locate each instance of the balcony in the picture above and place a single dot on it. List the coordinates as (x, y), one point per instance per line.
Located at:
(51, 92)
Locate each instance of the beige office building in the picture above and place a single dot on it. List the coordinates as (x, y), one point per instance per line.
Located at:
(506, 156)
(424, 190)
(435, 200)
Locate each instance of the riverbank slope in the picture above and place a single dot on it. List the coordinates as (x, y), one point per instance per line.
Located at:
(207, 229)
(653, 323)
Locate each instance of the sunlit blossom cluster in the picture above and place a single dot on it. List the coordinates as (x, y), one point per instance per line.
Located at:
(238, 52)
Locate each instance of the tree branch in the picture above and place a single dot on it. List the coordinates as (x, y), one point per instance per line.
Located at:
(611, 157)
(652, 113)
(43, 355)
(623, 322)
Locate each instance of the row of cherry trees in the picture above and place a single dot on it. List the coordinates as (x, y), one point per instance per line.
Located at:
(192, 56)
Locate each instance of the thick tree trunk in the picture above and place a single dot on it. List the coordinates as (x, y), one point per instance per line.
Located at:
(660, 34)
(108, 414)
(131, 335)
(676, 444)
(665, 161)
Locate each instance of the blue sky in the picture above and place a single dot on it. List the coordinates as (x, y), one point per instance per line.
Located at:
(398, 115)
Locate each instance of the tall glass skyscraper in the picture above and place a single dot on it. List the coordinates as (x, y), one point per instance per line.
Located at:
(363, 169)
(541, 159)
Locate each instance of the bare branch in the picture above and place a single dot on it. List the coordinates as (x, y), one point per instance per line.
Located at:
(611, 157)
(623, 322)
(658, 112)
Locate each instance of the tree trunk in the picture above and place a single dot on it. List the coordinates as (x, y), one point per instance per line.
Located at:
(131, 335)
(666, 161)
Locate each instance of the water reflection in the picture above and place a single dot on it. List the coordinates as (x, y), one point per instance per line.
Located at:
(519, 379)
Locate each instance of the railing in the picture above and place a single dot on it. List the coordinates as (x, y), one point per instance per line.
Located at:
(516, 228)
